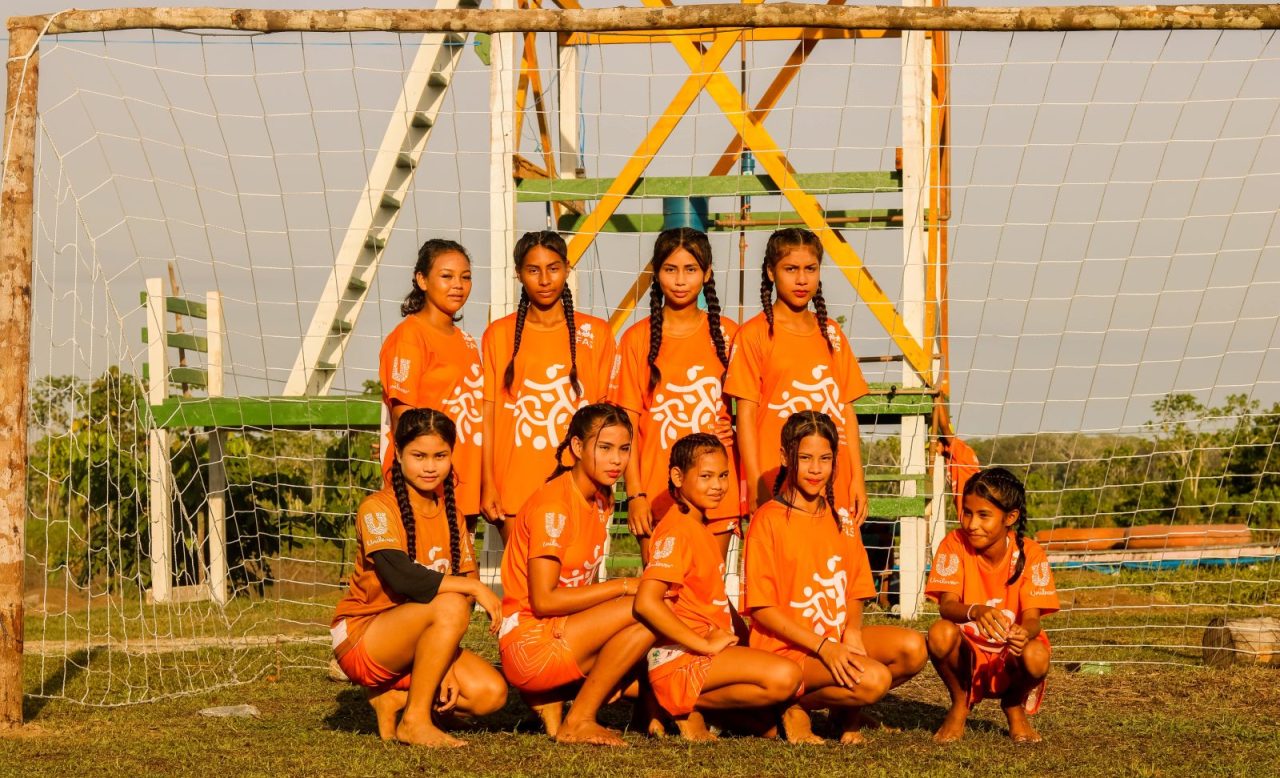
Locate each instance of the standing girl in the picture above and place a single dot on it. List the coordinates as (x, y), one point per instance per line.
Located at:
(807, 575)
(429, 362)
(992, 585)
(398, 630)
(701, 668)
(561, 628)
(670, 378)
(540, 365)
(789, 358)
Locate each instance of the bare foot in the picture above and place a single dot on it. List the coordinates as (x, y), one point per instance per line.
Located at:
(1020, 729)
(851, 724)
(552, 714)
(648, 716)
(694, 728)
(590, 732)
(858, 718)
(429, 735)
(386, 707)
(952, 728)
(797, 728)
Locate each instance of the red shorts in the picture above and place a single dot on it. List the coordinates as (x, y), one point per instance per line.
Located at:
(677, 678)
(991, 675)
(361, 669)
(535, 656)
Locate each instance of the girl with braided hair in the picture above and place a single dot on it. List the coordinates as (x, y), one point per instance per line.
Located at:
(565, 633)
(398, 630)
(807, 575)
(992, 585)
(669, 376)
(541, 364)
(790, 358)
(429, 362)
(682, 598)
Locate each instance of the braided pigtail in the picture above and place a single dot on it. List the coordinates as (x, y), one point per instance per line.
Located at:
(766, 295)
(561, 467)
(455, 535)
(820, 312)
(676, 497)
(522, 312)
(713, 321)
(1021, 533)
(406, 509)
(831, 497)
(655, 334)
(566, 299)
(780, 481)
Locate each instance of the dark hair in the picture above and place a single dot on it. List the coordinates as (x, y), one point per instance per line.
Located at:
(587, 422)
(413, 424)
(782, 242)
(550, 240)
(1002, 489)
(799, 426)
(684, 455)
(416, 300)
(699, 248)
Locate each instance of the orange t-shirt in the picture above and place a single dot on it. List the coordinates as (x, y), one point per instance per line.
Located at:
(557, 522)
(687, 399)
(421, 367)
(789, 373)
(531, 419)
(684, 554)
(803, 564)
(378, 527)
(958, 568)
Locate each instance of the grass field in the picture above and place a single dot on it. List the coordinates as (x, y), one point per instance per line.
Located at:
(1134, 720)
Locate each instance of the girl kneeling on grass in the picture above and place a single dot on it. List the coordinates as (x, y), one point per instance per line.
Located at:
(397, 632)
(807, 575)
(992, 585)
(701, 668)
(561, 628)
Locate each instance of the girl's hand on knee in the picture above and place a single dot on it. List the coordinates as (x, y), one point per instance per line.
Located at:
(718, 640)
(447, 699)
(853, 639)
(843, 664)
(486, 599)
(994, 624)
(1017, 638)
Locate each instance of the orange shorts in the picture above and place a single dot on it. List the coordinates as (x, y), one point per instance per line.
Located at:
(991, 675)
(535, 656)
(361, 669)
(677, 678)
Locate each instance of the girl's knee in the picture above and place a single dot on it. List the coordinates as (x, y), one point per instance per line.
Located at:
(875, 681)
(490, 695)
(915, 652)
(943, 638)
(452, 611)
(1035, 659)
(783, 679)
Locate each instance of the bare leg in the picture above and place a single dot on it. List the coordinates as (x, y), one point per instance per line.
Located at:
(903, 651)
(607, 670)
(1030, 671)
(822, 691)
(742, 677)
(797, 728)
(947, 652)
(549, 706)
(694, 728)
(482, 688)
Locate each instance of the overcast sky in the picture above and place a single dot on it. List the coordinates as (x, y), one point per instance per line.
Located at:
(1113, 235)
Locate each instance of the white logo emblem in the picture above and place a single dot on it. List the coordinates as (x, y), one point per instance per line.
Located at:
(463, 406)
(470, 341)
(586, 573)
(1040, 575)
(400, 369)
(825, 604)
(947, 566)
(663, 548)
(436, 562)
(687, 408)
(376, 523)
(555, 526)
(586, 336)
(542, 410)
(821, 395)
(615, 370)
(833, 334)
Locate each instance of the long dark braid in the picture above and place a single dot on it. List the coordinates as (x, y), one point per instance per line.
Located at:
(684, 457)
(656, 308)
(415, 423)
(522, 313)
(820, 313)
(713, 322)
(566, 299)
(799, 426)
(586, 423)
(766, 294)
(1001, 488)
(416, 300)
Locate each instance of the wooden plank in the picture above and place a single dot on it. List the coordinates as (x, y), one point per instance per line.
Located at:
(552, 190)
(706, 35)
(729, 221)
(268, 412)
(178, 305)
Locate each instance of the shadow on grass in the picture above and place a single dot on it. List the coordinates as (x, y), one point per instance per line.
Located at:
(73, 666)
(353, 714)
